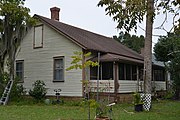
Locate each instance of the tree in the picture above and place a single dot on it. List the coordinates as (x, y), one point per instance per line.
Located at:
(167, 50)
(14, 18)
(79, 62)
(131, 41)
(128, 13)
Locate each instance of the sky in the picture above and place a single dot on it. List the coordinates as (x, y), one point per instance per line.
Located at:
(86, 15)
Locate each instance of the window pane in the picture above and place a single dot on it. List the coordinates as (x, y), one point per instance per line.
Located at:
(121, 71)
(93, 73)
(128, 72)
(140, 73)
(107, 71)
(159, 75)
(134, 72)
(19, 66)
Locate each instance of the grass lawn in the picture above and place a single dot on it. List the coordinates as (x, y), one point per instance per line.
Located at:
(162, 110)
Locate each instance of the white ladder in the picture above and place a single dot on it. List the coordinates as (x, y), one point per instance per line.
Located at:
(5, 96)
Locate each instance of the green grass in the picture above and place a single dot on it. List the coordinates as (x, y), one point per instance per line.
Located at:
(162, 110)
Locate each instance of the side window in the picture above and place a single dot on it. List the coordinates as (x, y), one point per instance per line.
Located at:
(58, 69)
(20, 70)
(38, 36)
(159, 75)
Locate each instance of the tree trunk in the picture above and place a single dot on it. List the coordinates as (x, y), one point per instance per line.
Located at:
(148, 48)
(148, 55)
(9, 44)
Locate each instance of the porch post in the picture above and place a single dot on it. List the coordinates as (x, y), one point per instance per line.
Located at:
(83, 73)
(137, 71)
(116, 81)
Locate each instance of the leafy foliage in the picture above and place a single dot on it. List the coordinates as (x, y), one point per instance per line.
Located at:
(39, 90)
(166, 47)
(137, 99)
(168, 50)
(3, 81)
(126, 13)
(77, 61)
(17, 92)
(131, 41)
(175, 73)
(14, 18)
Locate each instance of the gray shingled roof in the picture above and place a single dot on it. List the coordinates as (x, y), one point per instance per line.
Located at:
(89, 40)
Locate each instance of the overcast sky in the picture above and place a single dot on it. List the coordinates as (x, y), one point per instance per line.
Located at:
(85, 14)
(80, 13)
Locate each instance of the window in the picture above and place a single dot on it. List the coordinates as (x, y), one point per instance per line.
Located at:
(58, 69)
(105, 71)
(127, 72)
(159, 75)
(38, 36)
(20, 69)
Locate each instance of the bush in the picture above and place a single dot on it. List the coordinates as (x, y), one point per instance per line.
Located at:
(3, 81)
(39, 90)
(17, 91)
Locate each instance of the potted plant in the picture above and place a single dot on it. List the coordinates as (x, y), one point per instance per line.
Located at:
(138, 102)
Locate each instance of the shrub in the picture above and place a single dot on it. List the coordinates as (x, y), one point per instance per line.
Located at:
(39, 90)
(17, 91)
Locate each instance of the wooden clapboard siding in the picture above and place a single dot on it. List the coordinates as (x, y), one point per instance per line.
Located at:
(38, 63)
(102, 85)
(160, 85)
(132, 86)
(127, 86)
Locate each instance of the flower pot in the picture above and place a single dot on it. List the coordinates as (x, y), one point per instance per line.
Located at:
(102, 118)
(138, 107)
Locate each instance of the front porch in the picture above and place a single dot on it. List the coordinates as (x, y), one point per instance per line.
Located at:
(124, 77)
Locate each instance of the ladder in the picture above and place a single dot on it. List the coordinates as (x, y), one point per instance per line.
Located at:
(5, 96)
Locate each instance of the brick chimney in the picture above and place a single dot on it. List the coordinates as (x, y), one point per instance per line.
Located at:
(55, 13)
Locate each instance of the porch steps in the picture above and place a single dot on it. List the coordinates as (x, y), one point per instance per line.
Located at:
(5, 96)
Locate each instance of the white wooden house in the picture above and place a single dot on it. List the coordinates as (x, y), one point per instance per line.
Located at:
(46, 50)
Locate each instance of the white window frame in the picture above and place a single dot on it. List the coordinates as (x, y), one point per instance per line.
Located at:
(61, 68)
(20, 71)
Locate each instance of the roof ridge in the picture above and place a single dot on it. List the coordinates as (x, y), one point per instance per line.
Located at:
(74, 26)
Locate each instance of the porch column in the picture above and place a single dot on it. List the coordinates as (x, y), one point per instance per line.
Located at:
(137, 72)
(116, 81)
(83, 73)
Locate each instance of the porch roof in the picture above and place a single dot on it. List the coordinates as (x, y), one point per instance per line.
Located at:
(115, 57)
